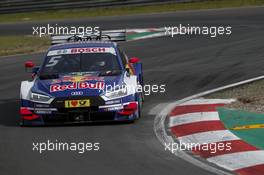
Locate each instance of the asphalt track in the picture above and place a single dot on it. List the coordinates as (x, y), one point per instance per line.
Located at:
(186, 64)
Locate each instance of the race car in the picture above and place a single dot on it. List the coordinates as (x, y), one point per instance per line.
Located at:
(82, 81)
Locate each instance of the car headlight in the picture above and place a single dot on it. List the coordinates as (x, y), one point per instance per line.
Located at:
(116, 93)
(39, 97)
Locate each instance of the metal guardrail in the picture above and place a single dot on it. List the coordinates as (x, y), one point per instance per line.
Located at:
(16, 6)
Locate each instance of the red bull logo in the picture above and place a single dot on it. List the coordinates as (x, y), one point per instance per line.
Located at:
(77, 85)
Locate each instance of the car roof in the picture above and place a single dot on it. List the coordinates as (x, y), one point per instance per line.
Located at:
(83, 44)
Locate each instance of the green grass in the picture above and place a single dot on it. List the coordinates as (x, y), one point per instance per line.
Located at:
(82, 13)
(11, 45)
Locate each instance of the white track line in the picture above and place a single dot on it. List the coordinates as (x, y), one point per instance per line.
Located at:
(235, 161)
(146, 30)
(208, 137)
(147, 36)
(192, 117)
(202, 101)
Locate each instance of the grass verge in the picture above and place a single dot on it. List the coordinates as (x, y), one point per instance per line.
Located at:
(11, 45)
(81, 13)
(250, 97)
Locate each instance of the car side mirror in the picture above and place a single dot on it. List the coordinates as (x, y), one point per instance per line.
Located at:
(29, 66)
(134, 60)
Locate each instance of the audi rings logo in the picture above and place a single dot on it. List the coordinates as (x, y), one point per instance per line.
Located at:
(77, 93)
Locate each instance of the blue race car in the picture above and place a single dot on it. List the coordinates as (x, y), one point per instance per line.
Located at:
(81, 81)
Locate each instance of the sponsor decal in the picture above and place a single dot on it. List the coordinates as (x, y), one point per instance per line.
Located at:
(77, 85)
(77, 103)
(78, 79)
(41, 105)
(112, 102)
(114, 108)
(82, 50)
(88, 50)
(43, 112)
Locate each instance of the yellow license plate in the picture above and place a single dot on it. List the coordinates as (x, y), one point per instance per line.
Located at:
(77, 103)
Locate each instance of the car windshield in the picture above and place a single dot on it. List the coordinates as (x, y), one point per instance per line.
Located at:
(81, 62)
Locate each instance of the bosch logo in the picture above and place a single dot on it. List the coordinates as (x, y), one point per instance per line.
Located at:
(77, 93)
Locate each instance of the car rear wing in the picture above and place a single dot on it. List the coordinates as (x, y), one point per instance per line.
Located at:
(107, 35)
